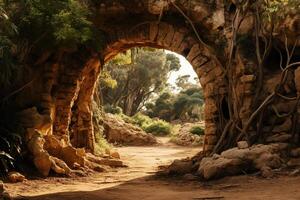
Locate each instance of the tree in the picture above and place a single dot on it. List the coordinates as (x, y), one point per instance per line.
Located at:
(146, 73)
(187, 104)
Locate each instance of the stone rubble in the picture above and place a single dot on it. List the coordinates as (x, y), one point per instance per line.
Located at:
(118, 131)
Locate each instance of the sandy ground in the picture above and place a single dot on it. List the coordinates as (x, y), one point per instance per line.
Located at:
(137, 182)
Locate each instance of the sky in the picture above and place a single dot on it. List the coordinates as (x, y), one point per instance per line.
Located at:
(185, 69)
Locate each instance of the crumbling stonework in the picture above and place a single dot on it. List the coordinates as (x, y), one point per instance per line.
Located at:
(202, 32)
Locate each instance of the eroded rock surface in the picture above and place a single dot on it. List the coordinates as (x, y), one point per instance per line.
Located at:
(120, 132)
(236, 161)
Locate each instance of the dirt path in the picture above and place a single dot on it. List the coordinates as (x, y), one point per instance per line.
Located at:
(137, 182)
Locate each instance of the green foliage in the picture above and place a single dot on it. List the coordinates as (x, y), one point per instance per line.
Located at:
(150, 125)
(32, 26)
(106, 80)
(158, 127)
(197, 130)
(66, 21)
(187, 104)
(139, 73)
(101, 144)
(280, 9)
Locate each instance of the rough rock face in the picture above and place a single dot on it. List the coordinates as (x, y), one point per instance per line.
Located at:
(120, 132)
(50, 153)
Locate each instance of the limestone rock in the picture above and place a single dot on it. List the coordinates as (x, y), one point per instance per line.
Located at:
(235, 161)
(242, 145)
(219, 167)
(71, 156)
(115, 155)
(267, 172)
(104, 161)
(53, 145)
(118, 131)
(43, 164)
(185, 138)
(181, 167)
(15, 177)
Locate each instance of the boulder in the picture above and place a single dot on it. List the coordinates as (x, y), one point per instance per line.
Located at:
(235, 161)
(266, 172)
(242, 145)
(115, 155)
(15, 177)
(53, 145)
(43, 163)
(181, 167)
(216, 168)
(71, 156)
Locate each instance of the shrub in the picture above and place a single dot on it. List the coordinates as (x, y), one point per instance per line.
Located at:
(158, 127)
(149, 125)
(197, 130)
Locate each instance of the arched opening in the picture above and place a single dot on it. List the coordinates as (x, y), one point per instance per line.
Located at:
(152, 106)
(160, 36)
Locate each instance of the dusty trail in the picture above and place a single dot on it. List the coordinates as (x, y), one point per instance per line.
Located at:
(137, 182)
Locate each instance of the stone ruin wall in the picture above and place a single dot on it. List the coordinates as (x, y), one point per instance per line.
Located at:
(68, 80)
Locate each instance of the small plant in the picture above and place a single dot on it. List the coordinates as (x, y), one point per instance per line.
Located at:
(197, 130)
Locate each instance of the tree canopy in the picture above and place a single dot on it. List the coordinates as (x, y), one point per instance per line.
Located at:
(146, 73)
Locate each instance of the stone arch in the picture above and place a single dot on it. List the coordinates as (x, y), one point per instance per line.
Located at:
(158, 35)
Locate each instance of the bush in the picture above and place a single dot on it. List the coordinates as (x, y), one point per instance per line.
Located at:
(149, 125)
(158, 127)
(197, 130)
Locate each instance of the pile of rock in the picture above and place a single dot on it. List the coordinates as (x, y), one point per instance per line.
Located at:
(243, 159)
(52, 153)
(118, 131)
(185, 138)
(238, 160)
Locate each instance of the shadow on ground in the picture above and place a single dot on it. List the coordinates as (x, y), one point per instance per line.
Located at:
(154, 188)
